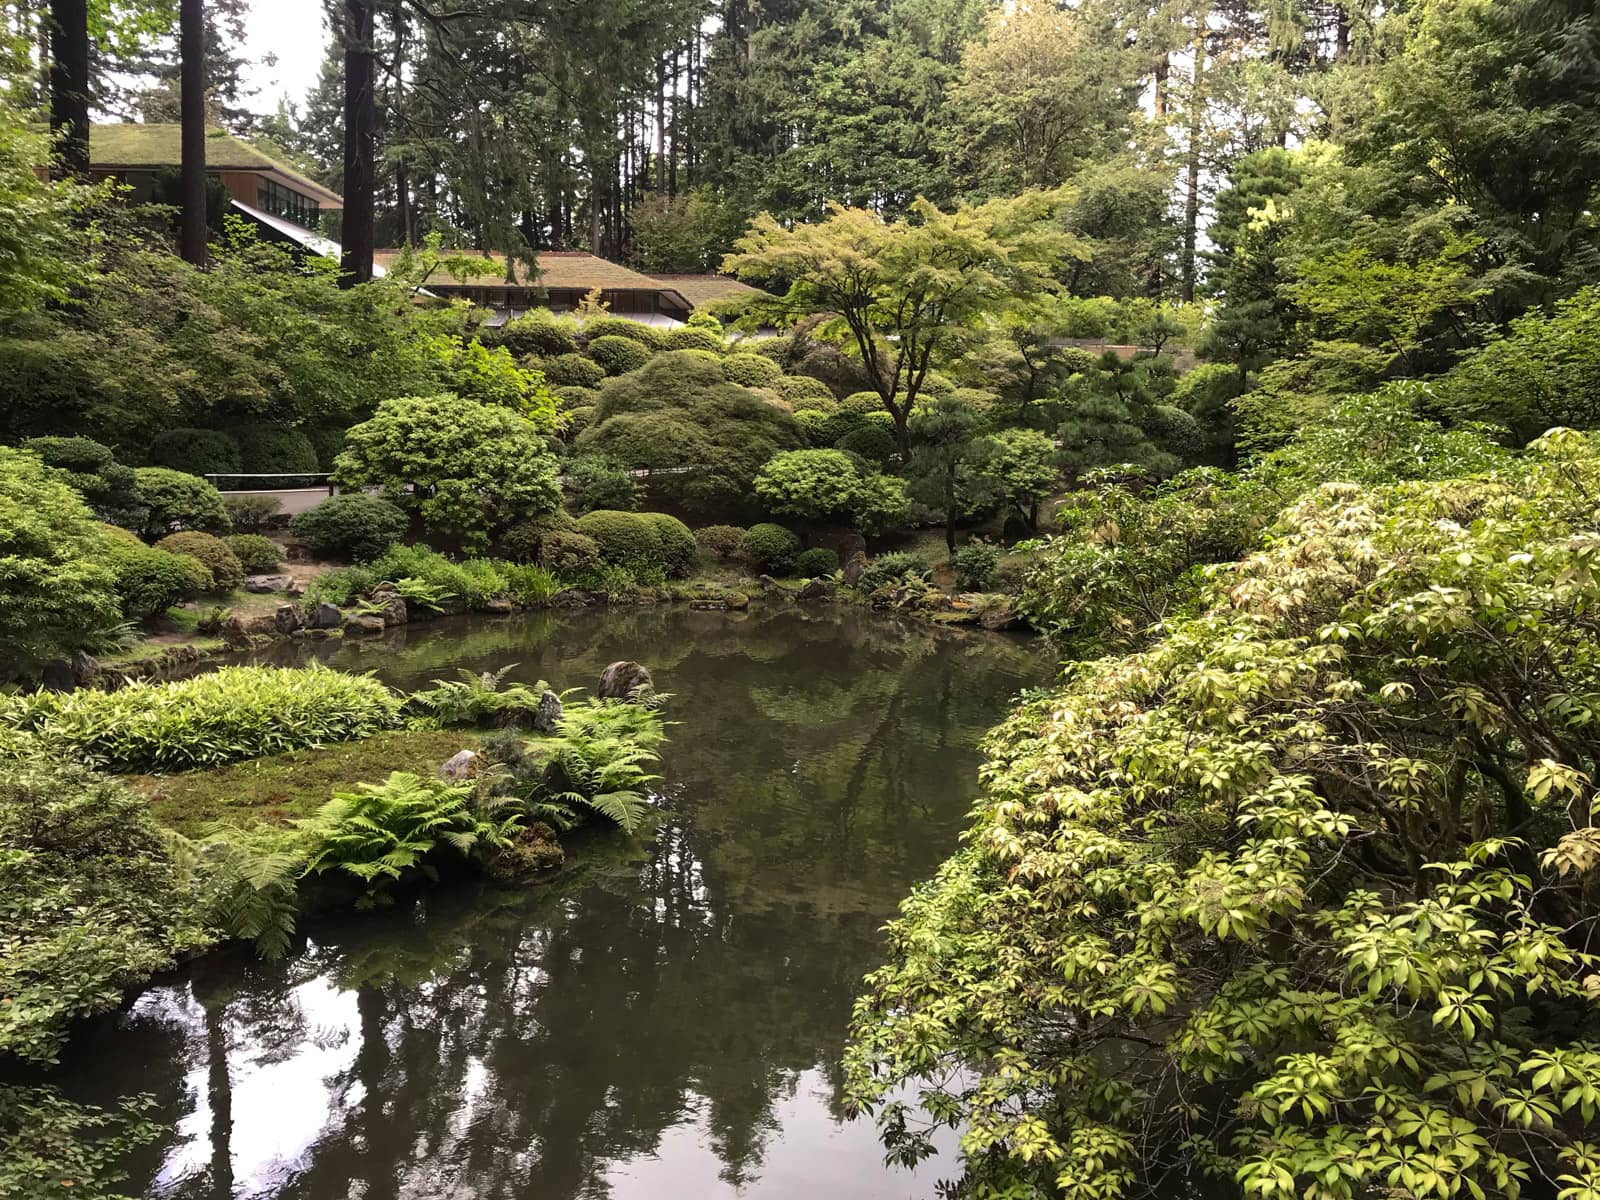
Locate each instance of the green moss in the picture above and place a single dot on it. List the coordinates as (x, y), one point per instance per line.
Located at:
(282, 787)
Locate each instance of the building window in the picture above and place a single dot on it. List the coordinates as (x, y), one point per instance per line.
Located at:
(273, 197)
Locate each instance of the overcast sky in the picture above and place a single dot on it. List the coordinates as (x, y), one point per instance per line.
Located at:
(296, 33)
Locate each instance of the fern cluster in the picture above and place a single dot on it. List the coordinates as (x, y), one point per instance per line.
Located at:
(479, 698)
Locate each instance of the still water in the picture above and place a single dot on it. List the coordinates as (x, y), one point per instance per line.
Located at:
(665, 1020)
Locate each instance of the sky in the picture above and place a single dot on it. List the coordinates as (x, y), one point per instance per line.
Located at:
(295, 32)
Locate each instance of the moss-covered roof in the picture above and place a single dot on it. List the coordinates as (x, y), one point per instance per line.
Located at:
(704, 289)
(148, 146)
(562, 269)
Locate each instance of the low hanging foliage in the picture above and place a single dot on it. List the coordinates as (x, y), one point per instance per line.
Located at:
(1302, 896)
(595, 762)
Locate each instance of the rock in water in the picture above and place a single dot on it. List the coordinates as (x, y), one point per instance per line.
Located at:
(462, 766)
(625, 681)
(327, 616)
(392, 608)
(855, 568)
(548, 712)
(815, 589)
(287, 618)
(360, 624)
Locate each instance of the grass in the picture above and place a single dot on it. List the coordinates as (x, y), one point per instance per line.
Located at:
(282, 787)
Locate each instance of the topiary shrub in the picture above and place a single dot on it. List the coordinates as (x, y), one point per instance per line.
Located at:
(522, 542)
(251, 513)
(572, 370)
(212, 553)
(935, 384)
(771, 548)
(1176, 432)
(974, 566)
(776, 348)
(256, 554)
(802, 391)
(862, 402)
(618, 355)
(91, 470)
(889, 569)
(625, 539)
(196, 451)
(276, 450)
(691, 337)
(871, 440)
(646, 335)
(752, 371)
(150, 581)
(537, 332)
(837, 425)
(352, 525)
(677, 543)
(722, 541)
(578, 418)
(817, 561)
(569, 555)
(177, 500)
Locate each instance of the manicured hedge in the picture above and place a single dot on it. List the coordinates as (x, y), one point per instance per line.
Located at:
(352, 525)
(624, 538)
(677, 543)
(618, 355)
(771, 548)
(212, 553)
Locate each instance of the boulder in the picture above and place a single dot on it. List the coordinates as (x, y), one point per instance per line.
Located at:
(570, 598)
(548, 712)
(624, 680)
(296, 588)
(499, 606)
(287, 618)
(326, 616)
(363, 624)
(1001, 617)
(855, 566)
(56, 675)
(263, 584)
(737, 602)
(771, 587)
(462, 766)
(392, 608)
(85, 667)
(815, 589)
(235, 635)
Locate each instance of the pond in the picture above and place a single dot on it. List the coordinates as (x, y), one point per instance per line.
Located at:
(666, 1020)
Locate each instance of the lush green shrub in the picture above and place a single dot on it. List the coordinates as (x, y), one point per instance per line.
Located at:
(257, 555)
(974, 566)
(177, 500)
(638, 331)
(862, 402)
(724, 541)
(618, 355)
(817, 561)
(802, 391)
(91, 903)
(625, 539)
(772, 549)
(340, 586)
(56, 592)
(691, 337)
(521, 543)
(227, 715)
(276, 450)
(836, 426)
(677, 543)
(150, 581)
(827, 486)
(327, 440)
(889, 569)
(212, 553)
(573, 370)
(438, 575)
(251, 513)
(754, 371)
(569, 554)
(579, 418)
(871, 440)
(597, 481)
(1176, 432)
(90, 469)
(196, 451)
(352, 525)
(529, 585)
(484, 581)
(535, 332)
(776, 348)
(468, 471)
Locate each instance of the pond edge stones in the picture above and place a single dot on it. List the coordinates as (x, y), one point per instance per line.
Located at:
(626, 680)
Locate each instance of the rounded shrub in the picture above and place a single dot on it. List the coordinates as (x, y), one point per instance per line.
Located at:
(625, 538)
(276, 449)
(813, 422)
(645, 335)
(618, 355)
(537, 332)
(352, 525)
(974, 566)
(578, 419)
(256, 554)
(771, 548)
(752, 370)
(819, 560)
(871, 440)
(802, 391)
(149, 581)
(212, 552)
(677, 543)
(775, 348)
(569, 555)
(523, 541)
(196, 451)
(862, 402)
(691, 337)
(572, 370)
(935, 384)
(891, 568)
(1175, 431)
(837, 425)
(92, 470)
(250, 513)
(178, 500)
(723, 541)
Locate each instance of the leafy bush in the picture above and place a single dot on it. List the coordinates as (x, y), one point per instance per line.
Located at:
(480, 698)
(826, 485)
(802, 391)
(224, 716)
(618, 355)
(974, 566)
(862, 402)
(256, 554)
(351, 525)
(150, 581)
(212, 553)
(56, 592)
(598, 481)
(472, 470)
(754, 371)
(691, 337)
(871, 441)
(521, 543)
(196, 452)
(110, 489)
(572, 370)
(1176, 432)
(772, 549)
(340, 586)
(888, 569)
(90, 901)
(177, 500)
(528, 585)
(276, 449)
(815, 562)
(624, 538)
(677, 545)
(569, 555)
(439, 576)
(536, 332)
(724, 541)
(484, 581)
(327, 440)
(638, 331)
(251, 513)
(594, 761)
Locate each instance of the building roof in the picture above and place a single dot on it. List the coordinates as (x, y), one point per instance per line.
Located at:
(704, 289)
(147, 146)
(575, 270)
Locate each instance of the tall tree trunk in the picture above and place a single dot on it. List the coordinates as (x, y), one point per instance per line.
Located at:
(1341, 32)
(1191, 184)
(192, 105)
(1162, 72)
(661, 126)
(69, 85)
(360, 138)
(405, 211)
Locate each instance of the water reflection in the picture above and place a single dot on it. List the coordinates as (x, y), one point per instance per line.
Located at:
(667, 1021)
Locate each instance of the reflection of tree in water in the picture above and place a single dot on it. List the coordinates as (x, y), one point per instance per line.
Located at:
(523, 1045)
